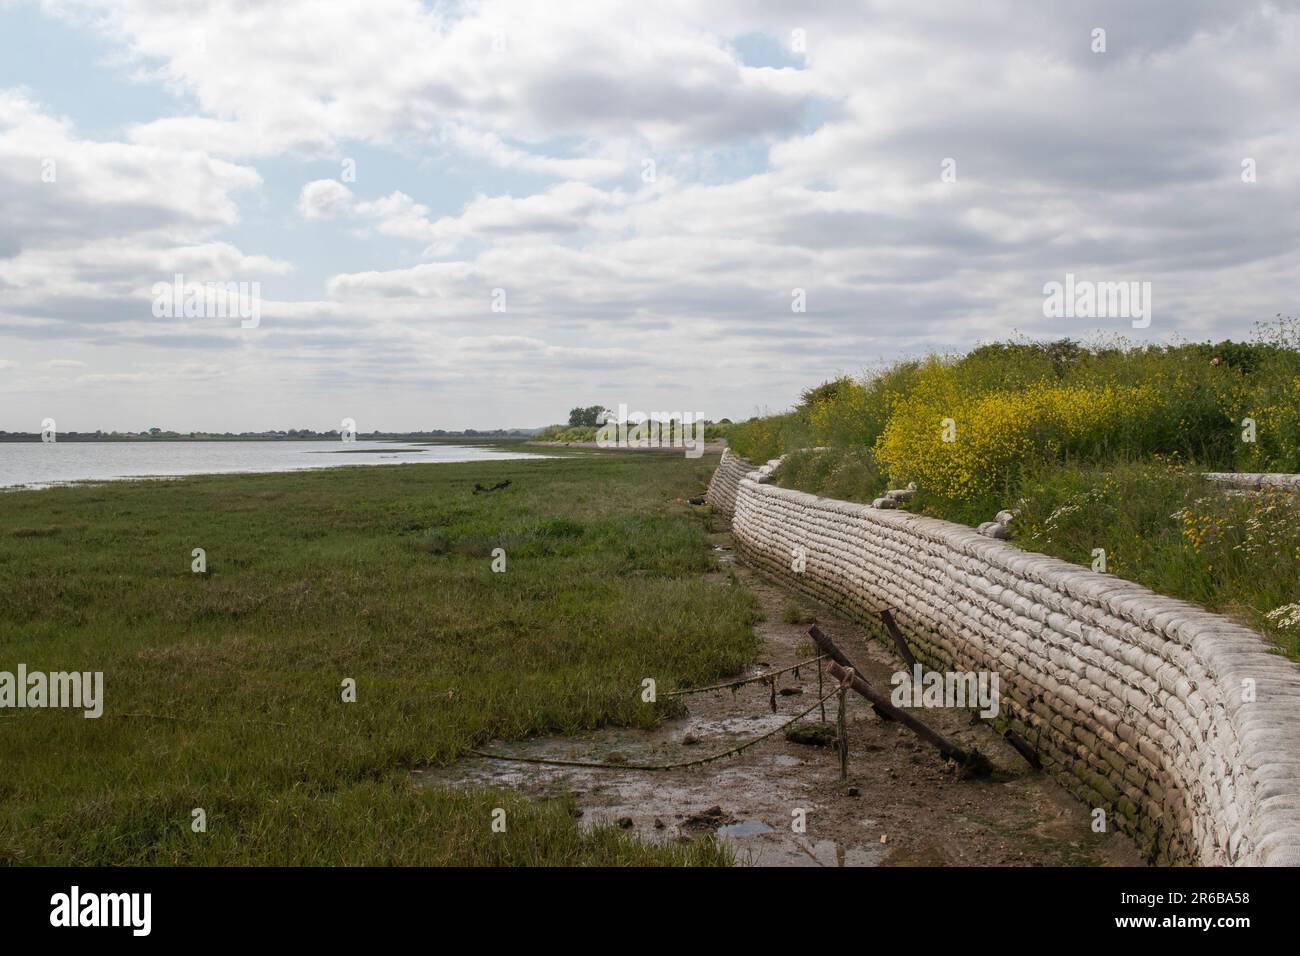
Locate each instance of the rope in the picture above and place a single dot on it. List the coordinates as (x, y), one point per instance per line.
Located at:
(596, 765)
(732, 685)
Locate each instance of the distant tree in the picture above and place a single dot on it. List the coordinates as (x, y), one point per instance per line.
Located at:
(590, 416)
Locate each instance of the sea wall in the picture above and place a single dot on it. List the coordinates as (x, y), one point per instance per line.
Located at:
(1182, 725)
(725, 482)
(1255, 481)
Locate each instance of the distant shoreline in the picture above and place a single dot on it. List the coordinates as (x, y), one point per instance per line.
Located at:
(35, 465)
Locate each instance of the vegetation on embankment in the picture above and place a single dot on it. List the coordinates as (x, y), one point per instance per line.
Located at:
(1161, 524)
(585, 425)
(580, 433)
(1099, 447)
(223, 690)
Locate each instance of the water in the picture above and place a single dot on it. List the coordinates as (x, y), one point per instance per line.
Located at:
(41, 464)
(744, 828)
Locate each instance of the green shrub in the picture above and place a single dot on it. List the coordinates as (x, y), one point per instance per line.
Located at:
(850, 474)
(761, 439)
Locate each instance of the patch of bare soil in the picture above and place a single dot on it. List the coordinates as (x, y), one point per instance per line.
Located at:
(902, 804)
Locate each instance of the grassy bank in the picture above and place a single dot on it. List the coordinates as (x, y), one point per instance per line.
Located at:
(668, 431)
(224, 690)
(1100, 448)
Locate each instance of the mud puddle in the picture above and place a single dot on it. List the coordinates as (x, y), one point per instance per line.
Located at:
(782, 803)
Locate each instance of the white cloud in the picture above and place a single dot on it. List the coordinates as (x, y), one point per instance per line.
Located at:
(87, 221)
(824, 177)
(55, 186)
(566, 208)
(301, 76)
(325, 199)
(495, 150)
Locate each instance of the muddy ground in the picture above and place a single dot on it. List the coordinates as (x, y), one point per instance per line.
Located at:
(902, 805)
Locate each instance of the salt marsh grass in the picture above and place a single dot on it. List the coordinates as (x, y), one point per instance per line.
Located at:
(222, 690)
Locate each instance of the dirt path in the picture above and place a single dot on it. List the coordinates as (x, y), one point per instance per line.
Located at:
(906, 807)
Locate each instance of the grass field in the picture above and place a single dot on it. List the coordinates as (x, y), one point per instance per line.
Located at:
(223, 690)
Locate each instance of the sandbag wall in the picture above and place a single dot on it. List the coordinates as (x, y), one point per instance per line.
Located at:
(725, 482)
(1139, 703)
(1255, 481)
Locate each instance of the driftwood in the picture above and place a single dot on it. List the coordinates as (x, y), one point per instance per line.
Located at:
(1021, 745)
(973, 761)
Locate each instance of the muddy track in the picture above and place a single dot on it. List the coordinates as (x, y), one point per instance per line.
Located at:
(904, 805)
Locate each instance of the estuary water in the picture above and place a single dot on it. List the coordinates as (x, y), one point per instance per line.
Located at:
(42, 464)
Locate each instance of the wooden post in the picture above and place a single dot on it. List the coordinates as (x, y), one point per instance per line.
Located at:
(1021, 746)
(821, 694)
(828, 648)
(899, 640)
(973, 761)
(842, 732)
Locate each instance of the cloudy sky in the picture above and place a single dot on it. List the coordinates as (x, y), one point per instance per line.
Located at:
(645, 183)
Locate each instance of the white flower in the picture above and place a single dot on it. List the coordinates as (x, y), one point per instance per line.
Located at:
(1286, 616)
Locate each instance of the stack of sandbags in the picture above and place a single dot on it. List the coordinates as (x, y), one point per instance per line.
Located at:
(721, 495)
(1254, 480)
(1136, 701)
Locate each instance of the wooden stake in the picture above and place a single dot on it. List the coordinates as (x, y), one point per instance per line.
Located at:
(899, 640)
(821, 694)
(827, 647)
(1021, 746)
(842, 732)
(973, 760)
